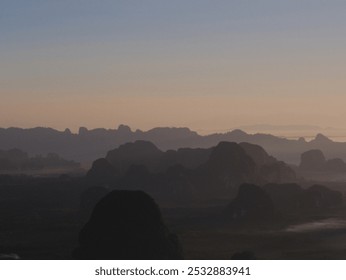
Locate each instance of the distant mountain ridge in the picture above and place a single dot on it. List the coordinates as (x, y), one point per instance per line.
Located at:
(18, 160)
(87, 145)
(279, 127)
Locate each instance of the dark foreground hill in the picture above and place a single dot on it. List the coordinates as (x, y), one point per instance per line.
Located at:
(127, 225)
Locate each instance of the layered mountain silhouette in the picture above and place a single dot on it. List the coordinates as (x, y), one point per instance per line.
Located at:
(291, 198)
(188, 173)
(102, 172)
(251, 203)
(86, 145)
(286, 197)
(17, 160)
(315, 161)
(315, 166)
(127, 225)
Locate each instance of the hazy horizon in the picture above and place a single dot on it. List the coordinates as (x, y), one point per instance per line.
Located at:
(270, 67)
(198, 64)
(309, 132)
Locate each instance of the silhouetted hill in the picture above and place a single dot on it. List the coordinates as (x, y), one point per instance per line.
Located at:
(147, 154)
(127, 225)
(257, 153)
(187, 174)
(101, 172)
(87, 145)
(231, 164)
(137, 153)
(251, 203)
(227, 167)
(313, 162)
(268, 168)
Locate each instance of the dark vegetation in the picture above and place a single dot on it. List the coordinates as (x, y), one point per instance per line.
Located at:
(230, 201)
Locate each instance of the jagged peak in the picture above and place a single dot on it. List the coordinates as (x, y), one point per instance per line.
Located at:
(67, 131)
(124, 128)
(82, 130)
(322, 138)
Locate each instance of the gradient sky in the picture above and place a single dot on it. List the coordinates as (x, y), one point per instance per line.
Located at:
(210, 65)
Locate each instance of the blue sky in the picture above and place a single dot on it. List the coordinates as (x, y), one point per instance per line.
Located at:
(241, 52)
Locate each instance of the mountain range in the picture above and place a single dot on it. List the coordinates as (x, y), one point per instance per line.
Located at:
(188, 173)
(87, 145)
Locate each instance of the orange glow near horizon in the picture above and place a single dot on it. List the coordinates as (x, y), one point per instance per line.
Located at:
(202, 113)
(203, 66)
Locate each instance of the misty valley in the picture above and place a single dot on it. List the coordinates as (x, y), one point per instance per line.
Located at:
(170, 193)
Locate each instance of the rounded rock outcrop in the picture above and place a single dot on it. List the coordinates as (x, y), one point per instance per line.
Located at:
(127, 225)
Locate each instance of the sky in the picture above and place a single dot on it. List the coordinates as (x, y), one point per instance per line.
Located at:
(209, 65)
